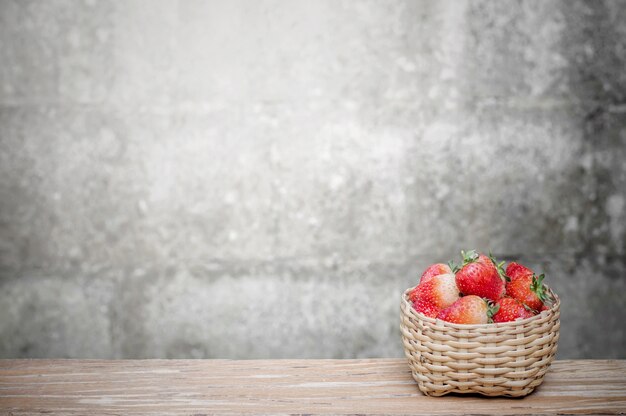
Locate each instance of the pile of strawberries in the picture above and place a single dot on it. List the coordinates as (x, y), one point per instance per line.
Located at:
(480, 291)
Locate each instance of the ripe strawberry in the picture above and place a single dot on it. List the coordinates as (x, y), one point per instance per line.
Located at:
(467, 310)
(528, 288)
(435, 270)
(435, 294)
(514, 270)
(426, 308)
(510, 309)
(480, 276)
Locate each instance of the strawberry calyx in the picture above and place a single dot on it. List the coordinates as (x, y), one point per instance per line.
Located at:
(539, 289)
(500, 268)
(452, 265)
(536, 286)
(469, 256)
(528, 308)
(492, 309)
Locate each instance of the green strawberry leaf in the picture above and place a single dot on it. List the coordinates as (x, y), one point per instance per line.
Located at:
(469, 256)
(538, 288)
(528, 308)
(500, 268)
(453, 266)
(492, 309)
(541, 290)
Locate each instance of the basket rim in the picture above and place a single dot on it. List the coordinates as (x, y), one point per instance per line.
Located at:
(518, 322)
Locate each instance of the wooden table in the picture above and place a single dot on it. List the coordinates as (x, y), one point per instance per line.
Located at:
(196, 387)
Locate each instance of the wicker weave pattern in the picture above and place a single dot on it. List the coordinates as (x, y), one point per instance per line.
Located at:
(503, 359)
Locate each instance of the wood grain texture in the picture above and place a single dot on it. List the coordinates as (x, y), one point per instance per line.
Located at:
(196, 387)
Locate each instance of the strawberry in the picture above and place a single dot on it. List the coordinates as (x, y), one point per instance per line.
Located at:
(480, 276)
(514, 270)
(435, 294)
(510, 309)
(426, 308)
(435, 270)
(469, 309)
(528, 288)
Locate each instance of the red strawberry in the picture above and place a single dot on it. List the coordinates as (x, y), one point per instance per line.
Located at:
(467, 310)
(435, 270)
(480, 276)
(426, 308)
(435, 294)
(510, 309)
(514, 270)
(526, 287)
(529, 290)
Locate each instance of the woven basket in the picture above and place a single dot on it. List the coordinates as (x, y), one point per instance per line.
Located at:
(501, 359)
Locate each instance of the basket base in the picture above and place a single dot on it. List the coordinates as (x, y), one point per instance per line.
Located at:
(438, 390)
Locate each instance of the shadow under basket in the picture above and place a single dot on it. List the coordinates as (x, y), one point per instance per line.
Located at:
(499, 359)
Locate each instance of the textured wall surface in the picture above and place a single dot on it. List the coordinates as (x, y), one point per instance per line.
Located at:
(264, 178)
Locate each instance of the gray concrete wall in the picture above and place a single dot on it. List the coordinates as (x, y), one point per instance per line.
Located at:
(264, 178)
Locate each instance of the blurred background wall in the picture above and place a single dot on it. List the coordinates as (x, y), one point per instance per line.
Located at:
(264, 178)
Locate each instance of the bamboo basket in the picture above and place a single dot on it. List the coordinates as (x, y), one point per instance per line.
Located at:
(499, 359)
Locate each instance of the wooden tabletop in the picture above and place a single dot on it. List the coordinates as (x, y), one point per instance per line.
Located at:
(197, 387)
